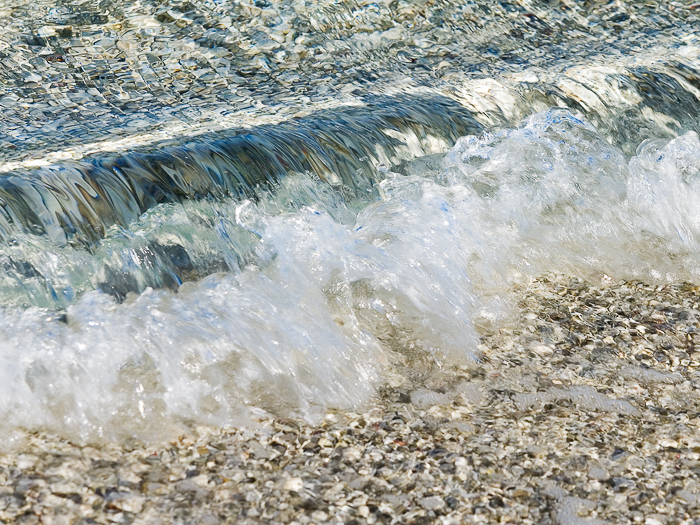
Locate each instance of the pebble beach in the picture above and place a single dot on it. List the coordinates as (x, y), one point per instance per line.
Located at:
(584, 410)
(214, 207)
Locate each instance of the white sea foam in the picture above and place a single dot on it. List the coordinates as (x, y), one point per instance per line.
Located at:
(334, 295)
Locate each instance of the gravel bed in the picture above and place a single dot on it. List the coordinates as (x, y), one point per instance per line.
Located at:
(583, 411)
(89, 77)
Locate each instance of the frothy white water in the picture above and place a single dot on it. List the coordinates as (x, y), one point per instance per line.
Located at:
(553, 195)
(334, 298)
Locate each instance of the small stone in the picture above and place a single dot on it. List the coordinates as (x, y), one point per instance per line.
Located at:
(8, 101)
(46, 31)
(33, 77)
(294, 484)
(432, 503)
(542, 349)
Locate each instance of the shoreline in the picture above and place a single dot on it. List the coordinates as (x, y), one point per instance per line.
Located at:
(583, 412)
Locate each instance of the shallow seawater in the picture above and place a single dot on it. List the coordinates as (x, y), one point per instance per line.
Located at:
(199, 278)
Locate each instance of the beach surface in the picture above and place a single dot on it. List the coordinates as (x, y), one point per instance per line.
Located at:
(582, 411)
